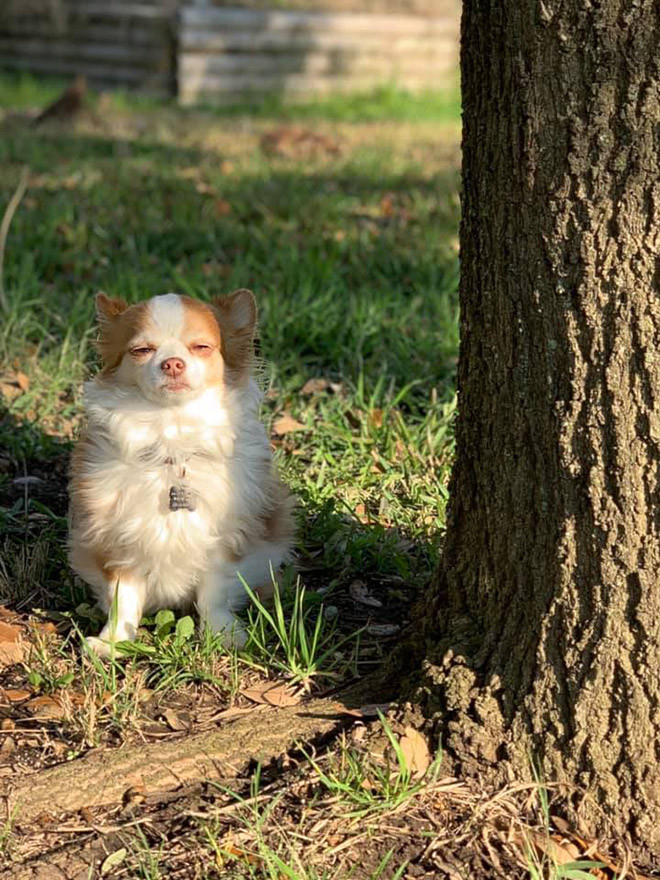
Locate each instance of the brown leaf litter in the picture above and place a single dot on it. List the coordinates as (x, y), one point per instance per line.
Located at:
(298, 142)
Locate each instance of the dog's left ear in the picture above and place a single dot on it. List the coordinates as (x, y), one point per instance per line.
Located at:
(237, 317)
(108, 308)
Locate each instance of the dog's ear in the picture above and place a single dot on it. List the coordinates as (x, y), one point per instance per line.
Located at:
(107, 308)
(238, 311)
(237, 317)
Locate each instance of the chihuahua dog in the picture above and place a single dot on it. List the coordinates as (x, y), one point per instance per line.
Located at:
(174, 496)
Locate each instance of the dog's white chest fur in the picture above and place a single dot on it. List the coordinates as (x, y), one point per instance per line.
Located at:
(141, 450)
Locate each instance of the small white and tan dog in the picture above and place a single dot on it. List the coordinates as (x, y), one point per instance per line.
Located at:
(174, 496)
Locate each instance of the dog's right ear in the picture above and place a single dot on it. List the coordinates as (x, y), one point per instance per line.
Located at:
(107, 309)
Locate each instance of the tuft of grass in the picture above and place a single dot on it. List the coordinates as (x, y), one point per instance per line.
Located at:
(346, 794)
(174, 655)
(366, 786)
(295, 638)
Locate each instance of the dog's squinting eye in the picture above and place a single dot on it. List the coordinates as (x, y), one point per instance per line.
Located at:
(142, 350)
(202, 349)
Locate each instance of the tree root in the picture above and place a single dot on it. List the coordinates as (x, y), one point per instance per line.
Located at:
(103, 777)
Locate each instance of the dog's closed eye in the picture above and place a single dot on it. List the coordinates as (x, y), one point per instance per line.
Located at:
(202, 349)
(142, 350)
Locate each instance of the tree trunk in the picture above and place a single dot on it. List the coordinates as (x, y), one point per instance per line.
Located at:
(543, 622)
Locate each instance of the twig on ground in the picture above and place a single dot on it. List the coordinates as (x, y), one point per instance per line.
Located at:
(10, 210)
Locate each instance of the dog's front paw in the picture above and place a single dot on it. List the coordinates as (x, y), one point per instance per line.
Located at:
(234, 636)
(105, 646)
(223, 623)
(99, 647)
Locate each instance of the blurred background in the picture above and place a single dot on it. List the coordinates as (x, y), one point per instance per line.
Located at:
(200, 49)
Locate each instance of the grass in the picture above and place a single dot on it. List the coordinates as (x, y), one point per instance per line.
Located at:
(383, 103)
(296, 638)
(354, 268)
(366, 786)
(353, 260)
(353, 784)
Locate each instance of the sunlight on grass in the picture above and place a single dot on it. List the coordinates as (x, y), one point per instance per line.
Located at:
(349, 793)
(366, 786)
(353, 261)
(386, 102)
(292, 636)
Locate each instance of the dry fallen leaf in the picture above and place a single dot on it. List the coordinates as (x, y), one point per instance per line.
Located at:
(256, 691)
(242, 854)
(45, 707)
(286, 424)
(376, 418)
(113, 861)
(297, 142)
(221, 208)
(10, 653)
(11, 649)
(145, 694)
(573, 843)
(13, 384)
(8, 747)
(282, 696)
(191, 173)
(315, 386)
(204, 189)
(361, 513)
(133, 796)
(560, 853)
(360, 593)
(233, 712)
(173, 720)
(415, 751)
(45, 626)
(387, 204)
(271, 693)
(9, 391)
(15, 695)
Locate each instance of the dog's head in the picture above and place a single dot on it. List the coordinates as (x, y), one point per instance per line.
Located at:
(172, 348)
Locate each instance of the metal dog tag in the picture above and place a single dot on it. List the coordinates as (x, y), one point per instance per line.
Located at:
(182, 497)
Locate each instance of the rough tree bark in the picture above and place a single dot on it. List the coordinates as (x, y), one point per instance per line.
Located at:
(543, 623)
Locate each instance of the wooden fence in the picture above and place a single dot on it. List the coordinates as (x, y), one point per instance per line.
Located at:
(202, 52)
(112, 42)
(224, 53)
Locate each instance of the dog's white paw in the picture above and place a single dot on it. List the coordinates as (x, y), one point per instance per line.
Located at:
(105, 646)
(234, 636)
(228, 627)
(100, 647)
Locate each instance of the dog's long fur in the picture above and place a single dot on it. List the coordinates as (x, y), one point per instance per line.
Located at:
(148, 430)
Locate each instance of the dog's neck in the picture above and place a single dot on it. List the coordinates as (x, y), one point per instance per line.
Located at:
(142, 430)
